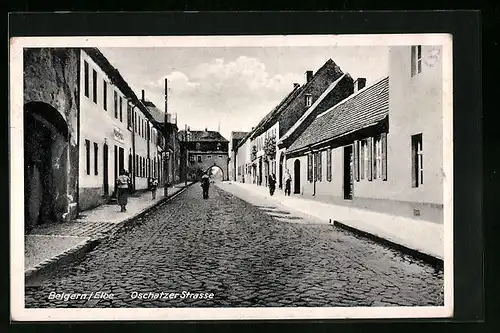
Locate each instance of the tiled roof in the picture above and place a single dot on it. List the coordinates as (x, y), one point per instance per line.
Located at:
(204, 136)
(311, 109)
(157, 114)
(238, 135)
(363, 109)
(262, 126)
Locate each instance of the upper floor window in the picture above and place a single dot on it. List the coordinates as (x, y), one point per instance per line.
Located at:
(199, 158)
(94, 86)
(416, 59)
(129, 116)
(116, 104)
(121, 109)
(105, 95)
(309, 100)
(218, 146)
(377, 174)
(86, 78)
(198, 146)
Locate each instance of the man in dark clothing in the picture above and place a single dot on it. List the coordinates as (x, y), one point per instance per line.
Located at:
(205, 185)
(272, 184)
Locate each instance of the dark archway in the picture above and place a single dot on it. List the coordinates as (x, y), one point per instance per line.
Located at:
(296, 178)
(45, 163)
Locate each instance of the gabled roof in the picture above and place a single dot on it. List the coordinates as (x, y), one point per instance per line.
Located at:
(238, 135)
(262, 125)
(311, 109)
(204, 136)
(365, 108)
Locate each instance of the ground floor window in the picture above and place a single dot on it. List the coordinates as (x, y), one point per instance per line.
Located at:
(87, 156)
(417, 160)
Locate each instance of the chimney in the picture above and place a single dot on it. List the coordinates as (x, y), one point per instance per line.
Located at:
(309, 75)
(296, 85)
(142, 99)
(359, 84)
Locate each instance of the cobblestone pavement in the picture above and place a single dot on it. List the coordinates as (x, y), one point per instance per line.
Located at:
(241, 254)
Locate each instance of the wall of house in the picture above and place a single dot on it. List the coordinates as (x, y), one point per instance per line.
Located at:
(242, 160)
(51, 78)
(207, 160)
(101, 127)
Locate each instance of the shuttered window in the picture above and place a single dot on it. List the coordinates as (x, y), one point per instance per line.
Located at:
(309, 167)
(356, 160)
(370, 157)
(96, 159)
(329, 165)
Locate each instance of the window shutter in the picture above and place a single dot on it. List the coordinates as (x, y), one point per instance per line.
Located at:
(320, 166)
(329, 165)
(370, 157)
(383, 142)
(414, 177)
(356, 160)
(362, 152)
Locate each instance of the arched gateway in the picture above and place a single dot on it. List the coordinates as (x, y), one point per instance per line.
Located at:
(45, 164)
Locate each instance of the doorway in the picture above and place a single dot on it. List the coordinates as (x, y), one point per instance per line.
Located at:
(105, 183)
(121, 160)
(296, 177)
(45, 165)
(281, 172)
(348, 173)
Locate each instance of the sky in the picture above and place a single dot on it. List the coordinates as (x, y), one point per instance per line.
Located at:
(233, 88)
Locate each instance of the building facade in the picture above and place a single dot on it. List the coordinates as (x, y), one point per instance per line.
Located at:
(296, 111)
(368, 150)
(83, 124)
(203, 150)
(51, 140)
(233, 170)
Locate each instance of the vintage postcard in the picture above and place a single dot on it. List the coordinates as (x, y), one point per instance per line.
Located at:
(231, 177)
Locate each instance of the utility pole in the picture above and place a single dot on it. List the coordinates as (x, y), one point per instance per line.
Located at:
(166, 151)
(186, 156)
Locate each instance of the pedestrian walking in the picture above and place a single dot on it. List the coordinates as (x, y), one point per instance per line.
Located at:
(288, 182)
(205, 185)
(272, 184)
(123, 186)
(153, 185)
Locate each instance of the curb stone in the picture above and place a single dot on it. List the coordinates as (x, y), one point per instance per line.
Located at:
(34, 274)
(428, 258)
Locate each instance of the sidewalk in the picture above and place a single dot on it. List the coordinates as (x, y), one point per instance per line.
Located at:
(48, 246)
(423, 239)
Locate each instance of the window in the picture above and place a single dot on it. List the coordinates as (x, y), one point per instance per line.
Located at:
(416, 59)
(135, 122)
(121, 109)
(129, 116)
(320, 166)
(378, 158)
(309, 167)
(86, 78)
(105, 95)
(417, 160)
(87, 156)
(309, 100)
(116, 104)
(329, 165)
(364, 159)
(218, 146)
(220, 156)
(199, 158)
(191, 158)
(94, 86)
(96, 159)
(209, 156)
(198, 146)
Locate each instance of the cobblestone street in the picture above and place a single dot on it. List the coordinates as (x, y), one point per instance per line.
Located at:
(244, 255)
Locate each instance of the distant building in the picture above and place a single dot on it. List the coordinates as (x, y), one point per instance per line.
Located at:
(202, 150)
(234, 169)
(83, 124)
(381, 148)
